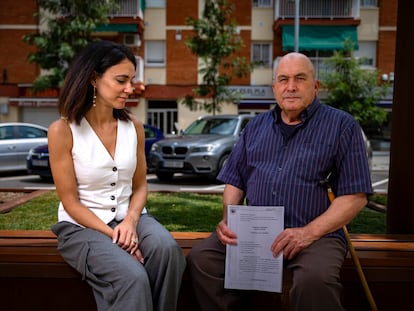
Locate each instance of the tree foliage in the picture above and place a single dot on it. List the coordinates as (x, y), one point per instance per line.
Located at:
(69, 27)
(354, 89)
(215, 42)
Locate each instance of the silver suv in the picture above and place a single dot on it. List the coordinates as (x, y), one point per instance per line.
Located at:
(202, 148)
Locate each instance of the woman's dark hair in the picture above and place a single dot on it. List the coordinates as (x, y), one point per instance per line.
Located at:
(76, 94)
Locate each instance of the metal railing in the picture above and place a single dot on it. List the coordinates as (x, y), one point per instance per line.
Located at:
(127, 8)
(317, 9)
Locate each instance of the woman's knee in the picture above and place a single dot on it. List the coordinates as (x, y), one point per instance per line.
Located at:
(135, 277)
(163, 246)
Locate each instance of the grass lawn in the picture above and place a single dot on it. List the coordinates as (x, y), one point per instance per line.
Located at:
(183, 211)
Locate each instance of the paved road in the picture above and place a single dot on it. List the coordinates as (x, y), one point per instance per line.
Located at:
(380, 161)
(379, 176)
(380, 171)
(191, 183)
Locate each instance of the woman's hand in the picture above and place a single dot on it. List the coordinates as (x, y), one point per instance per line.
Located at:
(125, 236)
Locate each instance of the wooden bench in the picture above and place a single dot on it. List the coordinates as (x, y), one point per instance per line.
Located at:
(33, 275)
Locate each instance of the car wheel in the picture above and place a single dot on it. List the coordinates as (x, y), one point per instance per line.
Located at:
(164, 176)
(220, 165)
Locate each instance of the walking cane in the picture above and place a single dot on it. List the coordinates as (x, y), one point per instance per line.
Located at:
(368, 294)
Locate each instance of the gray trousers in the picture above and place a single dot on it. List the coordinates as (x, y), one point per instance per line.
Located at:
(315, 278)
(120, 282)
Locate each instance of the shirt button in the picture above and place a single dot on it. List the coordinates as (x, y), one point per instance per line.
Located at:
(114, 169)
(113, 209)
(112, 197)
(112, 184)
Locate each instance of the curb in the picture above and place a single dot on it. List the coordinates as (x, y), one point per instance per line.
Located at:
(7, 206)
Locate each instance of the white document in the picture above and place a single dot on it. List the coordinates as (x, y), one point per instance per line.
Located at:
(250, 265)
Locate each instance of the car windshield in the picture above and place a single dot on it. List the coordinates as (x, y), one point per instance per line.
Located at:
(219, 126)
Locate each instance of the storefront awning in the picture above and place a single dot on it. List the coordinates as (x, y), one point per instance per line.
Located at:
(313, 38)
(251, 102)
(117, 28)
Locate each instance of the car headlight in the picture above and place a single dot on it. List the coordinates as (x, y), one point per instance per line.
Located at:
(207, 148)
(155, 147)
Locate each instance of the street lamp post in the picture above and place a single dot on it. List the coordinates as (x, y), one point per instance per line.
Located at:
(296, 26)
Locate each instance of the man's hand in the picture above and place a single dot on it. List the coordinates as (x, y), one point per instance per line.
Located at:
(291, 241)
(224, 234)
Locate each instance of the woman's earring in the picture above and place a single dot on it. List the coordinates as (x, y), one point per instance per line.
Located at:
(94, 97)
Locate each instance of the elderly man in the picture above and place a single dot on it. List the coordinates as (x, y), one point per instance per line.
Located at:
(279, 160)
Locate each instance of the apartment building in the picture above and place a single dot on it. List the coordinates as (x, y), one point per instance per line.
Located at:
(17, 101)
(157, 34)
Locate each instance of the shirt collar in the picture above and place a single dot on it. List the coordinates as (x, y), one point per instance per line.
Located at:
(305, 115)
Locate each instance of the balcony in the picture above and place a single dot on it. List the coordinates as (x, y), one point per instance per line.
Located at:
(318, 63)
(317, 9)
(127, 8)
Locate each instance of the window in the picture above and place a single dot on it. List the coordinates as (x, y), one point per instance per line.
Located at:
(6, 132)
(366, 54)
(149, 133)
(139, 71)
(164, 115)
(318, 58)
(262, 3)
(155, 53)
(154, 3)
(30, 132)
(261, 54)
(371, 3)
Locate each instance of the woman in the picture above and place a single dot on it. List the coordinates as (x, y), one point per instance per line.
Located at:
(99, 169)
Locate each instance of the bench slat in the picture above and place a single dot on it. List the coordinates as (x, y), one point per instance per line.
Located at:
(30, 265)
(28, 234)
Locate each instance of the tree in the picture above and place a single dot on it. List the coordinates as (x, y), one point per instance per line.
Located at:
(354, 89)
(215, 42)
(70, 24)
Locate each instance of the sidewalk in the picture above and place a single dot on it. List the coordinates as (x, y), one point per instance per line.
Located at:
(380, 160)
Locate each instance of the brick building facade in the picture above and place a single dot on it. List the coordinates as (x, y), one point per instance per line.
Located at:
(170, 71)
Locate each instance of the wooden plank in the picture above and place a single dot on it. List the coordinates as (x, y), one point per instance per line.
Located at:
(197, 235)
(41, 245)
(190, 235)
(30, 264)
(31, 234)
(28, 242)
(47, 234)
(54, 270)
(382, 237)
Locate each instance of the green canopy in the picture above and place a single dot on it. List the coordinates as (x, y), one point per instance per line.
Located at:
(117, 28)
(318, 37)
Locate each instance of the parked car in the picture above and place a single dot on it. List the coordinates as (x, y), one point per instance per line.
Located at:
(37, 162)
(201, 149)
(16, 139)
(38, 157)
(368, 149)
(152, 135)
